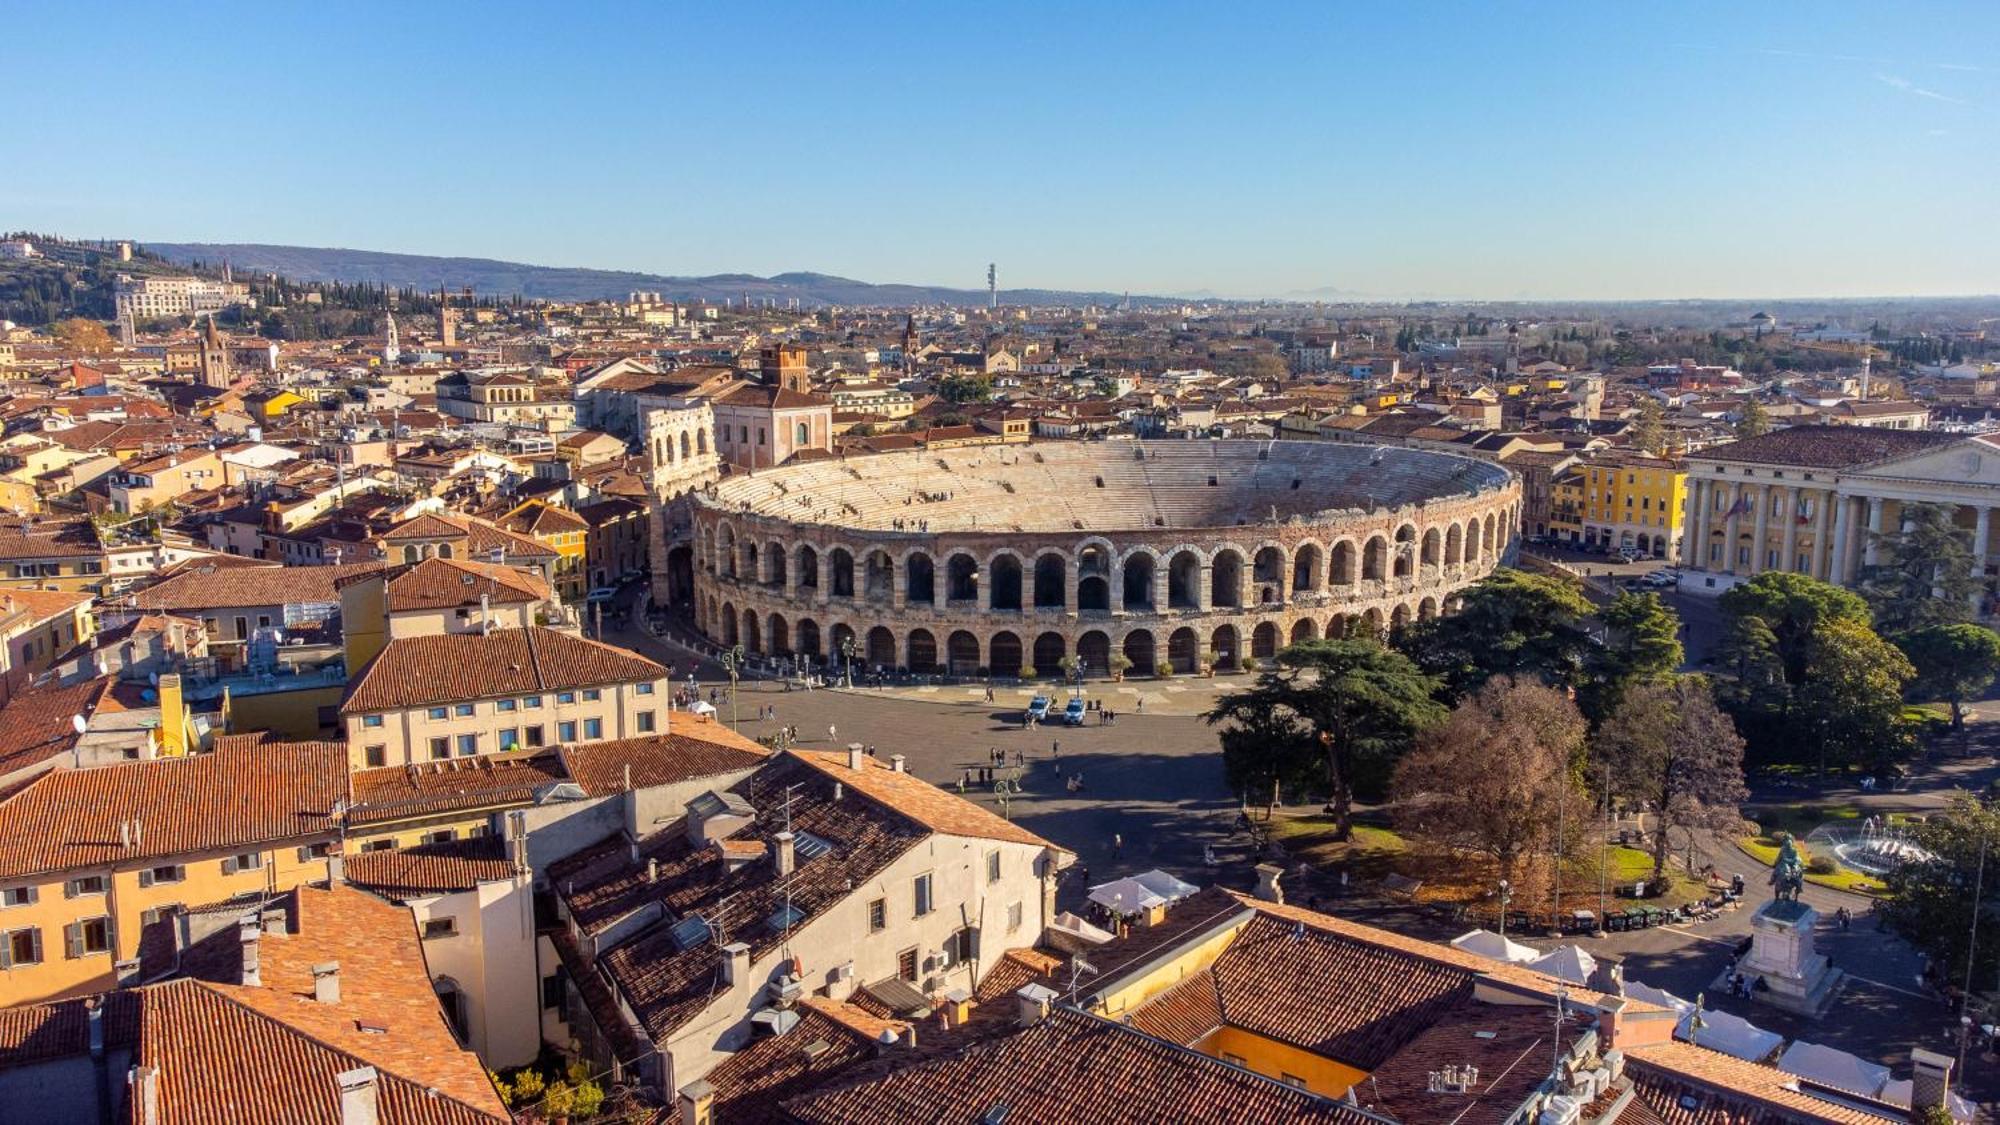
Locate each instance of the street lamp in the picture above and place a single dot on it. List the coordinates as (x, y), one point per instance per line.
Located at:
(1506, 896)
(847, 647)
(732, 663)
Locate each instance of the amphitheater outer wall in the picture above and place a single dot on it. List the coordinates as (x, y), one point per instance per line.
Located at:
(1164, 594)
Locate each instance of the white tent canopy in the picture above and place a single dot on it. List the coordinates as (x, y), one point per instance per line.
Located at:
(1648, 994)
(1165, 885)
(1486, 943)
(1076, 927)
(702, 707)
(1732, 1035)
(1897, 1092)
(1566, 962)
(1837, 1069)
(1138, 893)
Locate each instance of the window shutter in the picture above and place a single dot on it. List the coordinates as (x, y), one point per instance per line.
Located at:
(6, 951)
(229, 866)
(69, 889)
(305, 853)
(146, 877)
(73, 938)
(34, 893)
(35, 937)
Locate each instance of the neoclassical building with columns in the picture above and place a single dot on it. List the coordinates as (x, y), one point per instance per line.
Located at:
(1816, 500)
(993, 559)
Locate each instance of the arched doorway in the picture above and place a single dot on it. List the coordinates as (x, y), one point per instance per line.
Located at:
(753, 637)
(1140, 650)
(1227, 648)
(841, 562)
(680, 574)
(1049, 652)
(962, 653)
(1184, 580)
(1342, 573)
(781, 636)
(774, 561)
(920, 580)
(923, 651)
(1225, 580)
(881, 647)
(808, 637)
(1051, 580)
(1139, 582)
(961, 579)
(1375, 559)
(1399, 618)
(1006, 582)
(1003, 654)
(1093, 652)
(1302, 630)
(1306, 568)
(1184, 650)
(1264, 640)
(808, 568)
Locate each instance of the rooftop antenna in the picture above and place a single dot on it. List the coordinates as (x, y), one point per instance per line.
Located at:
(992, 287)
(1077, 967)
(786, 947)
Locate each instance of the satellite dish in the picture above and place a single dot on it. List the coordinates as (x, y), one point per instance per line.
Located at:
(82, 725)
(153, 678)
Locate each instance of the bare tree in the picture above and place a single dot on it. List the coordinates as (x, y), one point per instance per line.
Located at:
(1499, 775)
(1669, 746)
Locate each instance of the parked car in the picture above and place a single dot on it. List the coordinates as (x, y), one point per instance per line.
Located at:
(1073, 713)
(1038, 708)
(601, 595)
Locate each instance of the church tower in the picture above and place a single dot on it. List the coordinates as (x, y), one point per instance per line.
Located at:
(214, 356)
(391, 347)
(447, 319)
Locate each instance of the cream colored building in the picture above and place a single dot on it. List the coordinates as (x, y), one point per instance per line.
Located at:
(1815, 500)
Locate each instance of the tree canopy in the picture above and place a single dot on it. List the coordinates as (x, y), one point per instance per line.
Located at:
(965, 388)
(1953, 663)
(1330, 716)
(1931, 898)
(80, 334)
(1511, 623)
(1752, 420)
(1669, 746)
(1923, 575)
(1642, 643)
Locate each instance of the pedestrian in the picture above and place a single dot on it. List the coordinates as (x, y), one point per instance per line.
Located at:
(1055, 749)
(1079, 781)
(774, 712)
(963, 778)
(832, 735)
(989, 692)
(1020, 758)
(1117, 845)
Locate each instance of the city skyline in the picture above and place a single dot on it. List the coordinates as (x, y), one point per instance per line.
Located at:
(1559, 154)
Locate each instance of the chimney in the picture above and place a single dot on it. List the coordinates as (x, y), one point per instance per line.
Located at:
(1608, 977)
(326, 982)
(173, 717)
(735, 963)
(1930, 1081)
(358, 1104)
(336, 869)
(143, 1094)
(652, 870)
(1268, 889)
(854, 755)
(1031, 1003)
(783, 854)
(896, 763)
(247, 932)
(697, 1103)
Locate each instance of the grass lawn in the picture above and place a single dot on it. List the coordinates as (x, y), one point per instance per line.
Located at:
(1369, 854)
(1798, 819)
(1764, 849)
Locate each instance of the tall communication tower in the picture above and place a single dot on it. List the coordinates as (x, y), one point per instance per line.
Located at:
(992, 287)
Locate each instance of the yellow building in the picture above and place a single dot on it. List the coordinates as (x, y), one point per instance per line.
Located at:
(561, 530)
(1622, 502)
(90, 857)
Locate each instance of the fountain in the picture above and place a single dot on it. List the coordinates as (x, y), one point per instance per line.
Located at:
(1875, 848)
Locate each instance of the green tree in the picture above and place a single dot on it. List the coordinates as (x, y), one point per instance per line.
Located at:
(1649, 431)
(1331, 714)
(1498, 776)
(965, 388)
(1511, 623)
(1752, 420)
(78, 334)
(1931, 897)
(1953, 663)
(1813, 681)
(1642, 643)
(1925, 575)
(1669, 746)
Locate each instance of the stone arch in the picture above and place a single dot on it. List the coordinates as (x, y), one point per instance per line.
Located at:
(961, 579)
(1427, 609)
(1375, 622)
(774, 564)
(1005, 588)
(1492, 534)
(729, 634)
(1225, 579)
(808, 638)
(781, 635)
(878, 576)
(753, 637)
(1047, 657)
(1375, 559)
(1399, 618)
(753, 565)
(410, 553)
(1475, 547)
(1454, 545)
(1184, 650)
(725, 550)
(1267, 570)
(1184, 580)
(1141, 650)
(962, 653)
(919, 579)
(1303, 630)
(1264, 640)
(922, 651)
(1003, 654)
(840, 577)
(1404, 554)
(807, 566)
(1093, 592)
(701, 440)
(839, 638)
(1432, 553)
(1227, 645)
(1138, 569)
(1345, 566)
(1093, 651)
(1097, 556)
(1051, 581)
(881, 648)
(444, 550)
(1307, 567)
(686, 445)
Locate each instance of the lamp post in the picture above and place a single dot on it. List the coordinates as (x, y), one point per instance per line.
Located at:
(732, 663)
(1506, 896)
(847, 647)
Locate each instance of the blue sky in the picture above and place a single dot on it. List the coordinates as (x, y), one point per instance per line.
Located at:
(1491, 150)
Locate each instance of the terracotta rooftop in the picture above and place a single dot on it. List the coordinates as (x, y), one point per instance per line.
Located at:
(234, 587)
(1726, 1090)
(36, 725)
(694, 748)
(47, 538)
(418, 671)
(393, 793)
(208, 802)
(919, 800)
(430, 869)
(1826, 447)
(451, 583)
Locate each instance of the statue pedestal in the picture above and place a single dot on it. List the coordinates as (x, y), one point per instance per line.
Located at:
(1781, 954)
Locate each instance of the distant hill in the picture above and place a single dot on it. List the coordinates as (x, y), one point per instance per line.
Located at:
(557, 283)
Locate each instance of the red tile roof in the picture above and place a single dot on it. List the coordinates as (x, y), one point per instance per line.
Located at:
(430, 869)
(244, 587)
(693, 749)
(450, 583)
(921, 801)
(36, 726)
(1826, 447)
(209, 802)
(418, 671)
(392, 793)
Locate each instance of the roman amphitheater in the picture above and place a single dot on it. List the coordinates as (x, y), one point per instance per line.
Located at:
(997, 558)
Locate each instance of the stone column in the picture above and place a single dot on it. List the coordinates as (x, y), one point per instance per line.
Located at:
(1760, 530)
(1981, 531)
(824, 563)
(1204, 591)
(1161, 569)
(1871, 553)
(1790, 538)
(1694, 532)
(1732, 525)
(1114, 578)
(1822, 553)
(1843, 540)
(899, 584)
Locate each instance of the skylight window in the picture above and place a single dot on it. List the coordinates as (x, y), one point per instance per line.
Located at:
(690, 932)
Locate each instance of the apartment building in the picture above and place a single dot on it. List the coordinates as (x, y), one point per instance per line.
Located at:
(149, 298)
(146, 483)
(1622, 501)
(460, 695)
